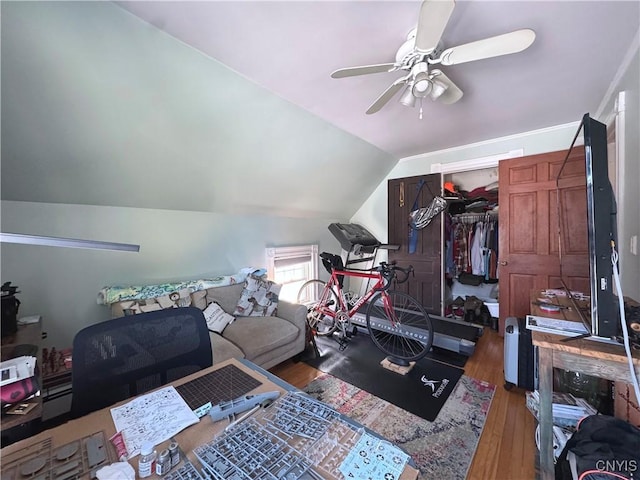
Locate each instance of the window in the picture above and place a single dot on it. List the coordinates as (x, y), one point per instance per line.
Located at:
(291, 267)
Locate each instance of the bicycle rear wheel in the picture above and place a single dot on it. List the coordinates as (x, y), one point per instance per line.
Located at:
(316, 296)
(399, 326)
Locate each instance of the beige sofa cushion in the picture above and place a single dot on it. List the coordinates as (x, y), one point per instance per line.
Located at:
(199, 299)
(223, 349)
(258, 335)
(227, 296)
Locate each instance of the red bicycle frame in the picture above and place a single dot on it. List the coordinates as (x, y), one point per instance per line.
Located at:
(379, 286)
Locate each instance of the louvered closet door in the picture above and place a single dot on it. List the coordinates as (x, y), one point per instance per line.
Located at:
(426, 286)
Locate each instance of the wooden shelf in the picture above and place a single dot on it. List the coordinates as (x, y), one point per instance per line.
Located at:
(590, 357)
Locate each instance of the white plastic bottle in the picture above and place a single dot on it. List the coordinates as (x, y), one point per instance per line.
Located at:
(147, 460)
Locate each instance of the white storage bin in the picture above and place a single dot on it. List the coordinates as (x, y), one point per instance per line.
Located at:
(494, 308)
(484, 291)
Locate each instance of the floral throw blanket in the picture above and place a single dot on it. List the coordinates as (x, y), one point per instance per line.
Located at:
(114, 294)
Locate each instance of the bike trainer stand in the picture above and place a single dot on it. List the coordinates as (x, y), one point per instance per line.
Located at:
(397, 366)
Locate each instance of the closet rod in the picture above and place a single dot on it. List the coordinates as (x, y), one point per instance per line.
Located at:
(474, 216)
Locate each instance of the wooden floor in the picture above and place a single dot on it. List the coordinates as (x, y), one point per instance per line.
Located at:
(507, 446)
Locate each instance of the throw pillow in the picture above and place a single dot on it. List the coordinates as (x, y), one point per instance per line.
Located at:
(180, 298)
(259, 298)
(217, 319)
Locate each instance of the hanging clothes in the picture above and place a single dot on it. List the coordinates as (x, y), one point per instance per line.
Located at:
(477, 248)
(460, 250)
(474, 245)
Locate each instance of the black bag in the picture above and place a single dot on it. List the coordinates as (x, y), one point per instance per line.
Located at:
(470, 279)
(605, 448)
(10, 306)
(456, 208)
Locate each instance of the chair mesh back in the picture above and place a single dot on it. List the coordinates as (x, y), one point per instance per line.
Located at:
(127, 356)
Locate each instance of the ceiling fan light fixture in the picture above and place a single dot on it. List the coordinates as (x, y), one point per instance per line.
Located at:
(408, 99)
(437, 89)
(421, 85)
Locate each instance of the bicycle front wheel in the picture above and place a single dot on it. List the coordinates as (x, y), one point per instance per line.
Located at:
(399, 326)
(318, 297)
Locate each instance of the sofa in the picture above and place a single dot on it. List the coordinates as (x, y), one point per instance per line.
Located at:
(266, 341)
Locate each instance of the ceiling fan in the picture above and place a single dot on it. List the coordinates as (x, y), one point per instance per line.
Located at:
(422, 49)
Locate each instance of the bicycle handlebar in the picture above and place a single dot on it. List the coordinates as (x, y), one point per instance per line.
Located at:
(389, 272)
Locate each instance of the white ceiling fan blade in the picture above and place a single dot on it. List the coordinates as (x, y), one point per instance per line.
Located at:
(433, 19)
(505, 44)
(382, 100)
(452, 94)
(364, 70)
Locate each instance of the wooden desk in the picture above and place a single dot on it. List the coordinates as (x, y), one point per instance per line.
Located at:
(585, 356)
(190, 438)
(26, 334)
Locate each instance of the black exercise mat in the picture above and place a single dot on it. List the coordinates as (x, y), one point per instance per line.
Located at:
(423, 391)
(436, 353)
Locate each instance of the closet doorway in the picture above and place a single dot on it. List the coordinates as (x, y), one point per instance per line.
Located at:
(528, 234)
(428, 259)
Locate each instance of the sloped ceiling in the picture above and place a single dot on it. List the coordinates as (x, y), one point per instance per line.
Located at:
(100, 108)
(227, 106)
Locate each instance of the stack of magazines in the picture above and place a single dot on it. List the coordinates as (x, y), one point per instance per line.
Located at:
(567, 409)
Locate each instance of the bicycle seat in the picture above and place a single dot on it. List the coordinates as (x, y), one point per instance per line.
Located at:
(333, 262)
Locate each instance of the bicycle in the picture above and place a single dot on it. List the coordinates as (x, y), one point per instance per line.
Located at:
(397, 323)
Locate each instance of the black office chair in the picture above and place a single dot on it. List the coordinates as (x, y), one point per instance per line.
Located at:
(120, 358)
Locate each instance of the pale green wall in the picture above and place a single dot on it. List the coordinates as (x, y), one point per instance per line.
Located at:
(62, 284)
(101, 108)
(373, 212)
(115, 131)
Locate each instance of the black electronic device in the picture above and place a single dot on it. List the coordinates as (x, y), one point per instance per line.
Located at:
(352, 236)
(602, 316)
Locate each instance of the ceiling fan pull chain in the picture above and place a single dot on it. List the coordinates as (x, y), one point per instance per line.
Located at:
(421, 109)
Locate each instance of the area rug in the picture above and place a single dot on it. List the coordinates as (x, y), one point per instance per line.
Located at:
(440, 449)
(423, 391)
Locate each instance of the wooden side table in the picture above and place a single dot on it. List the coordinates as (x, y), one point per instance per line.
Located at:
(586, 356)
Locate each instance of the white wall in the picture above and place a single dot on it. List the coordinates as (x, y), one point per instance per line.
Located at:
(628, 211)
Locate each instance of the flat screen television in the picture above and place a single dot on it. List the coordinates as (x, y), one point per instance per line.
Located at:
(589, 147)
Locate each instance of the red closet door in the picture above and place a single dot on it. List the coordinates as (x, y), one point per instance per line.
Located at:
(529, 240)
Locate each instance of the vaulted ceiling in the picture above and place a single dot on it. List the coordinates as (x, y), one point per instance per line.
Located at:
(229, 106)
